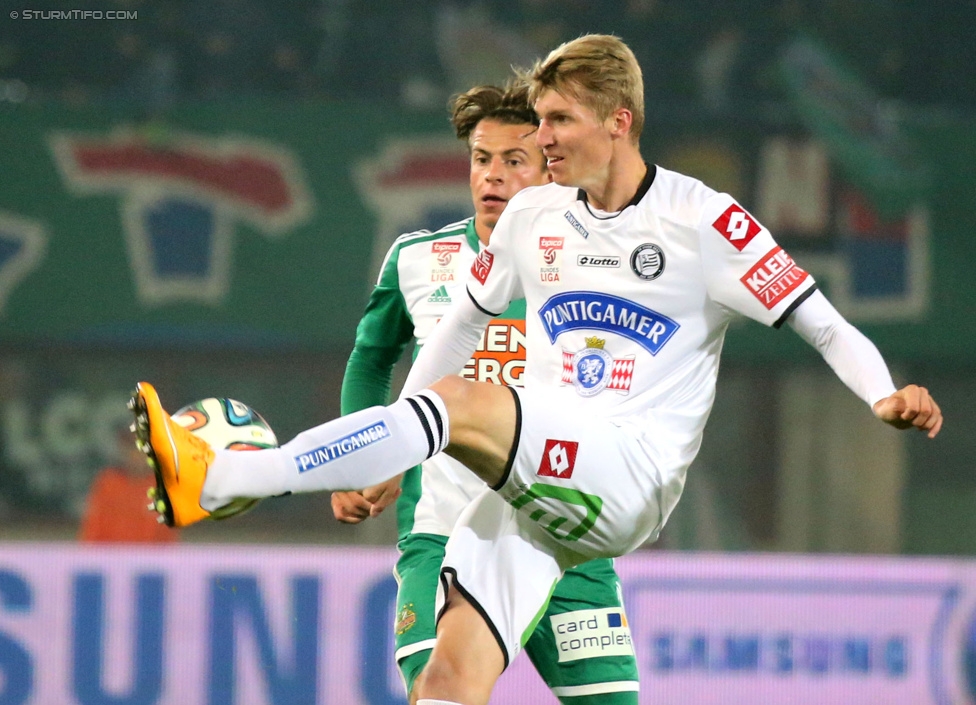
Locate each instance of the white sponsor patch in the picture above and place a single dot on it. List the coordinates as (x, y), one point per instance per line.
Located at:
(592, 633)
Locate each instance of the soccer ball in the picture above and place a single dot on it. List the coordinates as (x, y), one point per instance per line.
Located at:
(232, 425)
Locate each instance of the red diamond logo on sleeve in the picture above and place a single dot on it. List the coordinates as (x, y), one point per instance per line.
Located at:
(558, 459)
(737, 226)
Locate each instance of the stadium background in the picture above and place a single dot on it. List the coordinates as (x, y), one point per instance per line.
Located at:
(198, 194)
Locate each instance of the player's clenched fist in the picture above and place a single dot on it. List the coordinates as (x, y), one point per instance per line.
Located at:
(350, 507)
(911, 406)
(353, 506)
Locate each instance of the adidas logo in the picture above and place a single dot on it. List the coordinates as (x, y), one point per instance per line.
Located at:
(440, 296)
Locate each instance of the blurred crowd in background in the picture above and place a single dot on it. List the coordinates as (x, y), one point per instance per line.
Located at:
(693, 51)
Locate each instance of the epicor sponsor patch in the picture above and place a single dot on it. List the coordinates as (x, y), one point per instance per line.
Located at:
(591, 633)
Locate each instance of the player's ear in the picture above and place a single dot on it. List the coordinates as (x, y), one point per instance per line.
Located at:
(620, 122)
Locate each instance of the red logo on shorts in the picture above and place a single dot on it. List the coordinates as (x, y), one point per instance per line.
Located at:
(737, 226)
(482, 265)
(558, 459)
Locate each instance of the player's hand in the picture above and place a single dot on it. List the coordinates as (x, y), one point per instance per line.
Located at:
(350, 507)
(382, 495)
(909, 407)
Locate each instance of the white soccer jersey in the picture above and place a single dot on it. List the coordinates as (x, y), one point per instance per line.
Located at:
(431, 270)
(627, 311)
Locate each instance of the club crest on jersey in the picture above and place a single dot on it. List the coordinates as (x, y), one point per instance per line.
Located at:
(578, 226)
(593, 369)
(575, 310)
(550, 254)
(442, 267)
(773, 277)
(406, 619)
(737, 226)
(647, 261)
(482, 266)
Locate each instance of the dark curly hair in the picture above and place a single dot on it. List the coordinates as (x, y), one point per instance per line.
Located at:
(508, 105)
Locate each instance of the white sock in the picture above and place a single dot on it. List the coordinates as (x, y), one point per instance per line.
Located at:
(351, 452)
(429, 701)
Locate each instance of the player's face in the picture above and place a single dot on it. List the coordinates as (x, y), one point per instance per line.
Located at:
(504, 160)
(577, 144)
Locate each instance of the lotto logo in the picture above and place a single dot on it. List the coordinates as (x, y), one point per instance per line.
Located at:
(737, 226)
(558, 459)
(773, 277)
(482, 265)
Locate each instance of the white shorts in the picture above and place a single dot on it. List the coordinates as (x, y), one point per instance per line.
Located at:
(578, 487)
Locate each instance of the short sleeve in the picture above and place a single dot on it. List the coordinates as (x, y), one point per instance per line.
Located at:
(745, 270)
(494, 282)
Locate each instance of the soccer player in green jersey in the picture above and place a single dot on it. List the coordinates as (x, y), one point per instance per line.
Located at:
(421, 275)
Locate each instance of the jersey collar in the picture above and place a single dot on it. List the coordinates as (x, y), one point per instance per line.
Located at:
(644, 187)
(472, 236)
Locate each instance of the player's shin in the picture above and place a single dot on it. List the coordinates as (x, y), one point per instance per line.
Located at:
(351, 452)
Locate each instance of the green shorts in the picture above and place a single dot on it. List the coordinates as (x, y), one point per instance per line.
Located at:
(584, 593)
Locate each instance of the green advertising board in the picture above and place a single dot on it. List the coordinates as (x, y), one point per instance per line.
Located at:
(257, 225)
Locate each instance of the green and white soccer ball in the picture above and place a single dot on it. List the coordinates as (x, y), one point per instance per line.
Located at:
(231, 425)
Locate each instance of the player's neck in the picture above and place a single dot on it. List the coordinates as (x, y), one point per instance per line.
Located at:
(623, 177)
(482, 230)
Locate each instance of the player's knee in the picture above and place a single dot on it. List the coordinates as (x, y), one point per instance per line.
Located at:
(455, 392)
(440, 675)
(472, 403)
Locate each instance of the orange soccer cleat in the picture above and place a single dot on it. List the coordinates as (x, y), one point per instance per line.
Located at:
(178, 458)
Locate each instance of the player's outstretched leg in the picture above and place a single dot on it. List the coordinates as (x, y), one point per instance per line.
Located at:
(358, 450)
(178, 458)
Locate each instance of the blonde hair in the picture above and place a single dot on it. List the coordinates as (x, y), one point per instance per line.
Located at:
(599, 71)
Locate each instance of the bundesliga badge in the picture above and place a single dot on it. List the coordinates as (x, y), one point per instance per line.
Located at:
(550, 251)
(442, 265)
(593, 369)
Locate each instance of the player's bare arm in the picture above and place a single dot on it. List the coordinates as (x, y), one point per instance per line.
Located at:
(911, 407)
